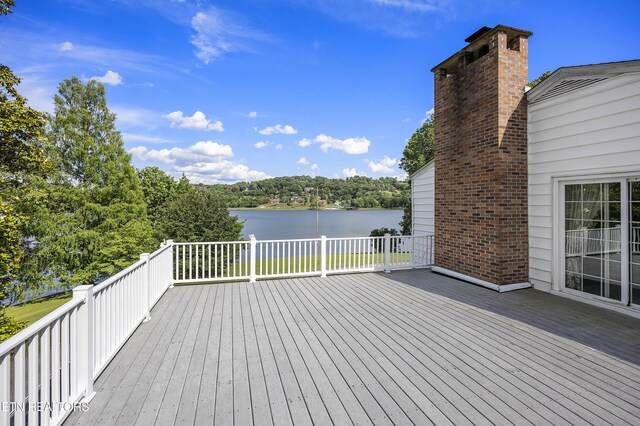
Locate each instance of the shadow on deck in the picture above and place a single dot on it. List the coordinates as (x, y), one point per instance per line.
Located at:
(607, 331)
(410, 347)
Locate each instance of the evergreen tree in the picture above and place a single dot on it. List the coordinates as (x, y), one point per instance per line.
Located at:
(195, 215)
(158, 188)
(21, 159)
(95, 220)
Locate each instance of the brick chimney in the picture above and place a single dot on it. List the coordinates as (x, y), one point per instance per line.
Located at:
(481, 227)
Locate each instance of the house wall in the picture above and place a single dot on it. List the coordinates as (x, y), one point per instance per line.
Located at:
(481, 162)
(589, 132)
(422, 197)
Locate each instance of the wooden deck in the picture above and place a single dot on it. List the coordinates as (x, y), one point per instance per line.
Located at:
(410, 347)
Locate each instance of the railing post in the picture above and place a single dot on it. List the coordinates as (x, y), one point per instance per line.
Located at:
(252, 262)
(85, 340)
(323, 256)
(146, 284)
(174, 265)
(387, 253)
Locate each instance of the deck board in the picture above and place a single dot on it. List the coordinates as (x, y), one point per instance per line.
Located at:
(410, 347)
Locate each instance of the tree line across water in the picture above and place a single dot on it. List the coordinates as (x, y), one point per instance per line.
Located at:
(357, 191)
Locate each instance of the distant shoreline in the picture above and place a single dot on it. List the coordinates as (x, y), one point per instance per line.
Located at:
(304, 209)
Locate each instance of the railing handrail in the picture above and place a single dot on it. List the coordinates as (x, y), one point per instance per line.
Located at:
(210, 242)
(260, 259)
(351, 238)
(69, 347)
(36, 327)
(160, 250)
(106, 283)
(291, 240)
(112, 279)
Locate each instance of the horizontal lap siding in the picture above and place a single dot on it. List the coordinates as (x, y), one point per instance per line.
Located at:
(422, 188)
(592, 130)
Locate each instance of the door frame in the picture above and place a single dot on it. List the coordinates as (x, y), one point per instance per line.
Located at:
(558, 202)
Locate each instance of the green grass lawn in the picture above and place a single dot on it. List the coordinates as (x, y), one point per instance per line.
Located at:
(31, 312)
(302, 264)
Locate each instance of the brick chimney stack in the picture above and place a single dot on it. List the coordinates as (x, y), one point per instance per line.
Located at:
(481, 226)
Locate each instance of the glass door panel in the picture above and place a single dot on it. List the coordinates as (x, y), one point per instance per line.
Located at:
(634, 241)
(593, 239)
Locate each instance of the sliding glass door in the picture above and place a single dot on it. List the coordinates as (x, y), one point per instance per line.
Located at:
(634, 240)
(602, 239)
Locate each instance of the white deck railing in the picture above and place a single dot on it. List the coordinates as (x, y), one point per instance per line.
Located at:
(254, 259)
(50, 366)
(585, 242)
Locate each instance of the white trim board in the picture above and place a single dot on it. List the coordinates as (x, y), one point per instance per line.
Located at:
(496, 287)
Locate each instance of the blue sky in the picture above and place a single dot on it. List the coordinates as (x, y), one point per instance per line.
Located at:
(241, 90)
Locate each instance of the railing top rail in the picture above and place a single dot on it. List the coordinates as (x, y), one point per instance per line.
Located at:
(36, 327)
(292, 240)
(160, 250)
(211, 242)
(351, 238)
(109, 281)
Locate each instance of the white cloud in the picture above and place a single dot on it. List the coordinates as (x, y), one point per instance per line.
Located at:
(314, 167)
(303, 161)
(402, 177)
(39, 92)
(406, 120)
(66, 46)
(351, 172)
(262, 144)
(252, 114)
(399, 18)
(198, 121)
(218, 33)
(410, 5)
(134, 137)
(278, 128)
(111, 78)
(202, 151)
(383, 166)
(202, 162)
(305, 142)
(135, 117)
(279, 146)
(220, 172)
(352, 146)
(428, 114)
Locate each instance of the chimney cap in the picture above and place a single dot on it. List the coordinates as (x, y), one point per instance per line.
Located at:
(473, 37)
(477, 39)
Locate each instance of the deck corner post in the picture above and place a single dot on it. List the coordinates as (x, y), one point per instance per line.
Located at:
(85, 340)
(387, 253)
(146, 287)
(252, 262)
(323, 256)
(174, 261)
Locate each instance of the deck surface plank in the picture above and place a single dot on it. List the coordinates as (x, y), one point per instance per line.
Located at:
(410, 347)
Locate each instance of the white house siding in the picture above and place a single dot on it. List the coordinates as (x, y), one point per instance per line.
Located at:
(422, 196)
(590, 131)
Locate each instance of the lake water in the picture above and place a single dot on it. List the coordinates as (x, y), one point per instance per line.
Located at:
(287, 224)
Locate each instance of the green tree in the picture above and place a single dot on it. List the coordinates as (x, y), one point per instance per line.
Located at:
(380, 232)
(198, 216)
(5, 6)
(158, 188)
(419, 151)
(22, 156)
(94, 222)
(543, 77)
